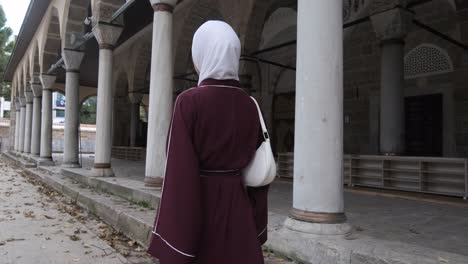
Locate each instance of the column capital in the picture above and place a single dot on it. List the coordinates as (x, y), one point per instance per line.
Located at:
(135, 98)
(163, 5)
(36, 89)
(107, 34)
(48, 81)
(72, 59)
(17, 104)
(35, 79)
(22, 101)
(28, 95)
(392, 24)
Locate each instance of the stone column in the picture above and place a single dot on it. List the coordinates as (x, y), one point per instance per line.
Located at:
(28, 121)
(22, 123)
(161, 91)
(135, 99)
(318, 205)
(47, 123)
(72, 59)
(391, 28)
(17, 123)
(106, 35)
(36, 120)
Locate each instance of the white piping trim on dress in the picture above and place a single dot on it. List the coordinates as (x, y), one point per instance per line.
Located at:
(175, 249)
(219, 170)
(261, 233)
(225, 86)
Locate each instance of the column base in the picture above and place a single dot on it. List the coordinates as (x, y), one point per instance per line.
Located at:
(45, 161)
(154, 181)
(339, 229)
(71, 165)
(102, 172)
(319, 218)
(26, 156)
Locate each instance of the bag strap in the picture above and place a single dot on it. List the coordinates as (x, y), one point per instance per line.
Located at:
(262, 122)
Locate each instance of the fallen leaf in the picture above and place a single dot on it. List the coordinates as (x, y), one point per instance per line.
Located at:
(15, 239)
(441, 259)
(29, 214)
(139, 249)
(74, 238)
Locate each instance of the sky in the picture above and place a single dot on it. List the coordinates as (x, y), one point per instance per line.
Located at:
(15, 10)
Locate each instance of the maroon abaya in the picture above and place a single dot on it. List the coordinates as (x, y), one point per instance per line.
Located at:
(207, 215)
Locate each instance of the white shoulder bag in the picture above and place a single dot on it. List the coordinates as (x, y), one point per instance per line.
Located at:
(262, 169)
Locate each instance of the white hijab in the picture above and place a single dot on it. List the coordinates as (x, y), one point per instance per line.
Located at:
(216, 51)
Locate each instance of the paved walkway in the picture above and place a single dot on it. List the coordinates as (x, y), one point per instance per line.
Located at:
(437, 226)
(36, 229)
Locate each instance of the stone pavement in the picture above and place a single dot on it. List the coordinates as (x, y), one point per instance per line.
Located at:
(387, 228)
(38, 225)
(439, 226)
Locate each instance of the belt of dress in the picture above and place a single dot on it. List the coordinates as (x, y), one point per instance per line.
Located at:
(210, 173)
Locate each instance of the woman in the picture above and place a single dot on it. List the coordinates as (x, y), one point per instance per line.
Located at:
(207, 215)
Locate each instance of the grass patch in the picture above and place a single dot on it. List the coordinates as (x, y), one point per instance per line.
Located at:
(143, 204)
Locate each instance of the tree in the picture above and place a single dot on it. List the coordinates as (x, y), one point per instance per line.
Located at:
(6, 48)
(88, 111)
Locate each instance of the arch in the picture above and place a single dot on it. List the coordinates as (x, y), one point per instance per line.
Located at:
(34, 64)
(258, 15)
(14, 87)
(281, 20)
(141, 65)
(74, 26)
(104, 9)
(426, 60)
(26, 74)
(52, 44)
(198, 13)
(86, 97)
(20, 83)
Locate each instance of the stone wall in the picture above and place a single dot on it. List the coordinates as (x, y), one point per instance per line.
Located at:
(87, 141)
(361, 78)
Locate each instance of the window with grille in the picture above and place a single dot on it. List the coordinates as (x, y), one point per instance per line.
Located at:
(427, 60)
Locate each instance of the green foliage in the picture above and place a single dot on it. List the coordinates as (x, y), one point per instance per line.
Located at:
(6, 48)
(88, 111)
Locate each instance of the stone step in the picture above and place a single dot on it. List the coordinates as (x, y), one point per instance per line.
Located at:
(131, 219)
(19, 160)
(134, 191)
(126, 217)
